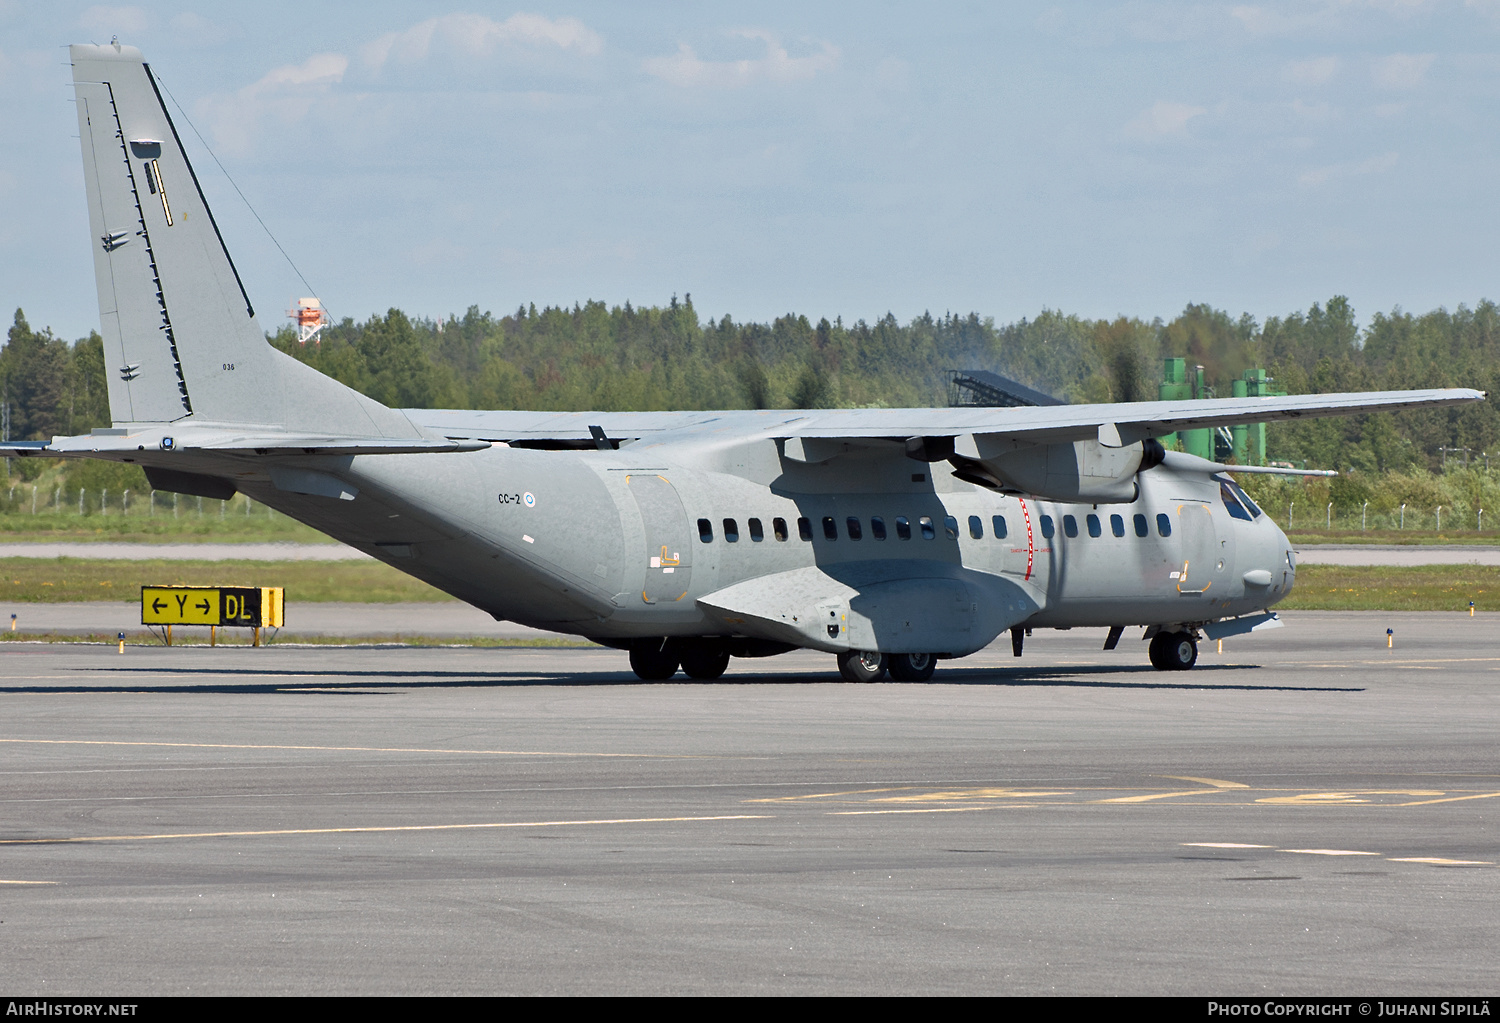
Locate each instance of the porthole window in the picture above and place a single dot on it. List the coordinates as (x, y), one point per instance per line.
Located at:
(804, 529)
(976, 527)
(1070, 526)
(997, 522)
(1047, 527)
(778, 526)
(950, 526)
(1163, 525)
(1094, 528)
(877, 527)
(731, 531)
(830, 528)
(852, 523)
(1117, 525)
(1141, 529)
(903, 528)
(756, 532)
(928, 532)
(705, 531)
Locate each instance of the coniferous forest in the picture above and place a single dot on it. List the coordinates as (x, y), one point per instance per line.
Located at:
(593, 356)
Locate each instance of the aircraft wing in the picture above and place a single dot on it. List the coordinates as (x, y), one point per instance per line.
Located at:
(1112, 424)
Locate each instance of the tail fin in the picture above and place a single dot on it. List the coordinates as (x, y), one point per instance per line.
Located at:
(180, 335)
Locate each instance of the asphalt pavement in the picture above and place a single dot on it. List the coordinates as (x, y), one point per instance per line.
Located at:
(1309, 812)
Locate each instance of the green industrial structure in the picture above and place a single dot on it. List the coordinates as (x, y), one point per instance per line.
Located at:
(1243, 445)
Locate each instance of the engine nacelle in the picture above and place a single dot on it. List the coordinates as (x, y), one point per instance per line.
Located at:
(1085, 471)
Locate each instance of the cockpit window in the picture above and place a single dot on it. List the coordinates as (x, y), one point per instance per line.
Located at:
(1233, 494)
(1232, 503)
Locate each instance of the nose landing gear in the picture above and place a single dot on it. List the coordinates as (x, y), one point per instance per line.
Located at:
(1173, 651)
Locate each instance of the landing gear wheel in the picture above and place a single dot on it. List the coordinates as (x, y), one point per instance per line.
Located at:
(1174, 651)
(653, 665)
(705, 665)
(861, 665)
(912, 667)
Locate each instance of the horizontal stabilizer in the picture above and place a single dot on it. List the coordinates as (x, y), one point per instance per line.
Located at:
(127, 443)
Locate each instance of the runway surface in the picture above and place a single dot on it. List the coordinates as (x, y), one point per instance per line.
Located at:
(1307, 813)
(1313, 554)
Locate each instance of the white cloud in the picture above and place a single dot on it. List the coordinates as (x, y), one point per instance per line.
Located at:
(1401, 70)
(114, 20)
(285, 93)
(478, 36)
(321, 69)
(1316, 71)
(686, 68)
(1374, 165)
(1163, 119)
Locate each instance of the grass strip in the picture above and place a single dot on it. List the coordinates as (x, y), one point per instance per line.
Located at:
(181, 637)
(1405, 588)
(69, 580)
(1394, 537)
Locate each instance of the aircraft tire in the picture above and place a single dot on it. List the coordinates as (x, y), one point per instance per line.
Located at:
(912, 667)
(1155, 653)
(862, 665)
(705, 665)
(653, 665)
(1174, 651)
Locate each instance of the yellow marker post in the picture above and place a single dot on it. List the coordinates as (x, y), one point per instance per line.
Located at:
(1390, 639)
(12, 623)
(122, 642)
(1471, 609)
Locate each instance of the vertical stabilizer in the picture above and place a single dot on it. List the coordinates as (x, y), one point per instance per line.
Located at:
(180, 335)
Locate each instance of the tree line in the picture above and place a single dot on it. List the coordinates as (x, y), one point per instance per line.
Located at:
(594, 356)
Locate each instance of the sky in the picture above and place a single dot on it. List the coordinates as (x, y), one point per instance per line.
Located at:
(830, 159)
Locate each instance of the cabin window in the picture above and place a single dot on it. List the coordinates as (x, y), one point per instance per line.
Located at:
(1070, 526)
(855, 533)
(756, 532)
(1094, 528)
(903, 528)
(830, 528)
(877, 527)
(997, 522)
(705, 531)
(950, 526)
(976, 527)
(778, 527)
(1117, 525)
(1163, 524)
(804, 529)
(1141, 529)
(731, 531)
(928, 533)
(1047, 528)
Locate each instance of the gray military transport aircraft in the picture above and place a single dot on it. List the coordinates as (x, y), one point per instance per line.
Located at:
(893, 538)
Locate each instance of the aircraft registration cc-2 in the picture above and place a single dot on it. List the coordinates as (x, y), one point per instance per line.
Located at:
(891, 538)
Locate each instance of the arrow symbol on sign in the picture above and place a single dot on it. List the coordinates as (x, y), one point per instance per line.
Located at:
(158, 604)
(203, 606)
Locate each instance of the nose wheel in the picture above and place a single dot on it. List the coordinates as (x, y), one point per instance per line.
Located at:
(1173, 651)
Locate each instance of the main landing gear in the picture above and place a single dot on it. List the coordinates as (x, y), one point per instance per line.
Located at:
(657, 664)
(1173, 651)
(869, 666)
